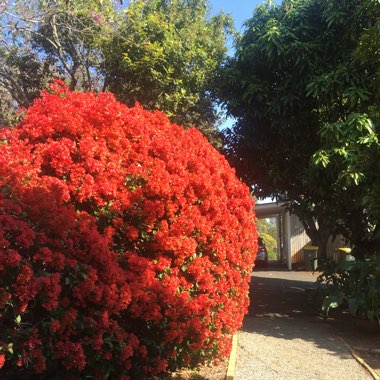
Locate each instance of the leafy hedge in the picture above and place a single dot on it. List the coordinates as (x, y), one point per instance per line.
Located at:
(353, 283)
(126, 242)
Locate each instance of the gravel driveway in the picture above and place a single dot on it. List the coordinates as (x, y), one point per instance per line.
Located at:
(283, 337)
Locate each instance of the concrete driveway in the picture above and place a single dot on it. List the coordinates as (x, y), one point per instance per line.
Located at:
(285, 338)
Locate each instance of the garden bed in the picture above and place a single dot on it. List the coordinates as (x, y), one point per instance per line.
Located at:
(205, 372)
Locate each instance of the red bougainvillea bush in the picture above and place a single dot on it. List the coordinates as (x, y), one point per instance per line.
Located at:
(126, 242)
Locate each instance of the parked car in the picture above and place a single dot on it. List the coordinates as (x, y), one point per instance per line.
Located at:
(262, 253)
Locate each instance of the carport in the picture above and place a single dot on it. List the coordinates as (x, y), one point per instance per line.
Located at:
(291, 236)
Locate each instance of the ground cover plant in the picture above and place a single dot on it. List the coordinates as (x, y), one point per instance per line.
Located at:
(126, 242)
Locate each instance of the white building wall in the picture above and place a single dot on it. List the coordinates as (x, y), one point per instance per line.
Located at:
(288, 240)
(299, 239)
(292, 236)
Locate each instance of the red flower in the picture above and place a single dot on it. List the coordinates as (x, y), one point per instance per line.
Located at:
(54, 326)
(126, 236)
(39, 360)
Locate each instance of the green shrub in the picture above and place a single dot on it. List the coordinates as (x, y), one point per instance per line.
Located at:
(354, 284)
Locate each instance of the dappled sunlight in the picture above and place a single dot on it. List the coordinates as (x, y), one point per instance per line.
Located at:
(284, 335)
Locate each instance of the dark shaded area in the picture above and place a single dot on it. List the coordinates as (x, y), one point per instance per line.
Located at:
(287, 305)
(273, 290)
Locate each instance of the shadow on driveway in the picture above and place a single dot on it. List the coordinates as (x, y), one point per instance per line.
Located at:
(284, 335)
(283, 293)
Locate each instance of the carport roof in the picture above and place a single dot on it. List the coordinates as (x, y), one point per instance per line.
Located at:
(267, 210)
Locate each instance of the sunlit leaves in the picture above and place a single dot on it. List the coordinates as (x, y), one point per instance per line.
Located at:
(165, 56)
(42, 40)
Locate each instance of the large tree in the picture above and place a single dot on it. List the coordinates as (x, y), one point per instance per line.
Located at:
(302, 80)
(163, 54)
(41, 39)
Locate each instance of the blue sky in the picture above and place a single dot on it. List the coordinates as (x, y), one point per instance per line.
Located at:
(240, 10)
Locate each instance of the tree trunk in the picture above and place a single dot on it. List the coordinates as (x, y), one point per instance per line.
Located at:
(318, 234)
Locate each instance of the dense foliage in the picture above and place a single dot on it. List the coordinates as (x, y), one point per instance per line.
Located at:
(45, 38)
(304, 87)
(354, 284)
(267, 230)
(163, 54)
(270, 244)
(126, 242)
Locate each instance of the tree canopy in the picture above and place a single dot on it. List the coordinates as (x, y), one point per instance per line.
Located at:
(163, 54)
(41, 39)
(167, 54)
(303, 86)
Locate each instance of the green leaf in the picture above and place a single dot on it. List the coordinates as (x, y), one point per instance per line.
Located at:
(321, 158)
(331, 302)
